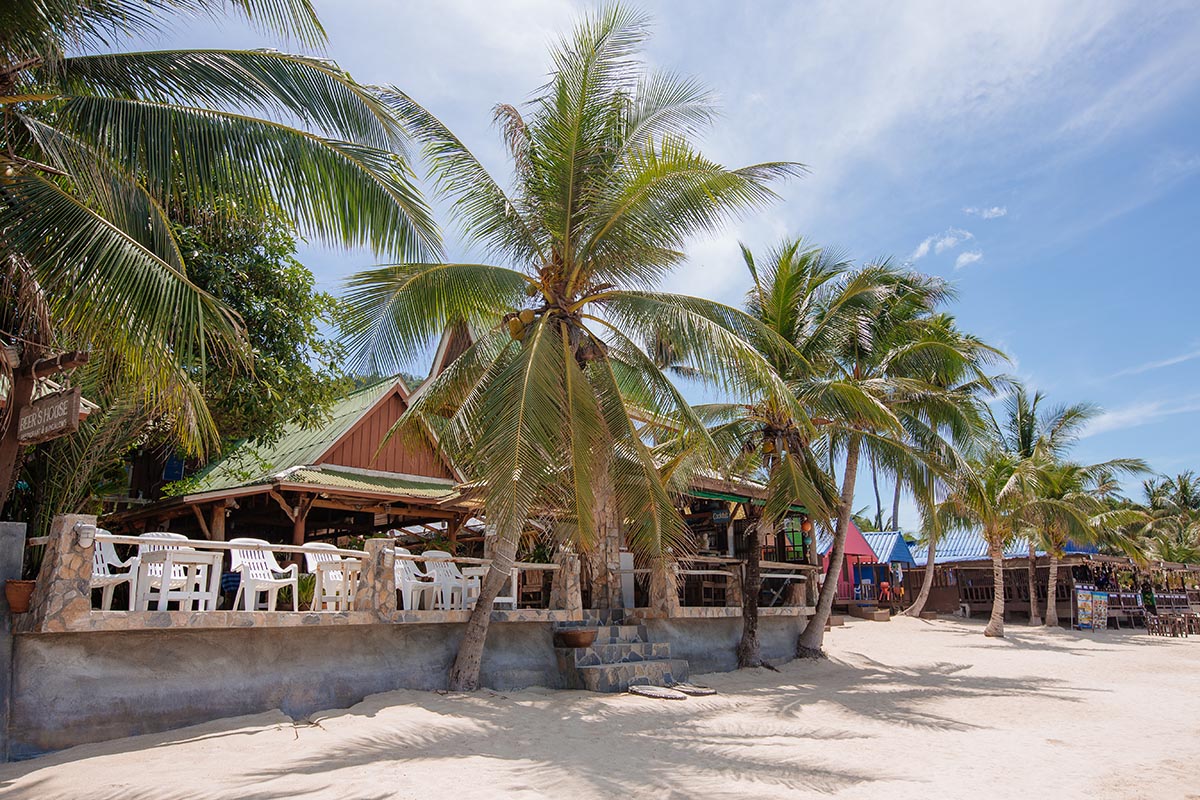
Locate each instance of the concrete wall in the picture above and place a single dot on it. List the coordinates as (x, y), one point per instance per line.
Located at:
(710, 645)
(12, 554)
(72, 688)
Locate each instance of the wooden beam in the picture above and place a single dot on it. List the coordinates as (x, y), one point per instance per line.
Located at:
(298, 522)
(203, 523)
(287, 509)
(45, 367)
(419, 512)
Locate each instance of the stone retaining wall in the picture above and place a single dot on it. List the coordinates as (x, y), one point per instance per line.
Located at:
(710, 644)
(73, 688)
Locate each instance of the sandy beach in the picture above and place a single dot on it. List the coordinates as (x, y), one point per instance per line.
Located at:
(904, 709)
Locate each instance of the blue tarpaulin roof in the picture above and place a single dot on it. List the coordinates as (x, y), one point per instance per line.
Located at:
(970, 546)
(890, 548)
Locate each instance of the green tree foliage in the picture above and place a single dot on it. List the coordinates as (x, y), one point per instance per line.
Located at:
(607, 188)
(293, 371)
(97, 145)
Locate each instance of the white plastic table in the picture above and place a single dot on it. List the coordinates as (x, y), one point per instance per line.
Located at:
(481, 573)
(201, 578)
(326, 594)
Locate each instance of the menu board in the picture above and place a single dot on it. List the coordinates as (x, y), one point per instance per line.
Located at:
(1084, 606)
(1099, 611)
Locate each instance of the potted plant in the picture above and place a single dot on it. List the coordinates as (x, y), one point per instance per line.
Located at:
(18, 592)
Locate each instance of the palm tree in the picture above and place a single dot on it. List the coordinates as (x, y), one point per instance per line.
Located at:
(881, 359)
(607, 187)
(1028, 432)
(1080, 487)
(1169, 528)
(98, 150)
(770, 432)
(999, 494)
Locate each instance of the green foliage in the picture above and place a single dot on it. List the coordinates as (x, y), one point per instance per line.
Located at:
(306, 585)
(607, 188)
(70, 474)
(247, 261)
(97, 146)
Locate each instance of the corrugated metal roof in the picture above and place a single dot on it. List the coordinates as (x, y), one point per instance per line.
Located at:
(251, 463)
(889, 547)
(971, 546)
(345, 478)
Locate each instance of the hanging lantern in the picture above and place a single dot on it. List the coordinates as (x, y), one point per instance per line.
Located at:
(807, 525)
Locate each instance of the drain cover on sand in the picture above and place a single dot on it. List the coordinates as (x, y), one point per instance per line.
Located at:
(661, 692)
(694, 691)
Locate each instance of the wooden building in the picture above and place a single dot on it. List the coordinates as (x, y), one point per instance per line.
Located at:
(345, 477)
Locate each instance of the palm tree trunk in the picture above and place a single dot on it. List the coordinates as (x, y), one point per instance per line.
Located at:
(995, 626)
(748, 652)
(1052, 591)
(926, 582)
(464, 675)
(811, 639)
(878, 499)
(896, 507)
(1034, 617)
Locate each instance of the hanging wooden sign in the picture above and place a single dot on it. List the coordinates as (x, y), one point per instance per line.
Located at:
(49, 417)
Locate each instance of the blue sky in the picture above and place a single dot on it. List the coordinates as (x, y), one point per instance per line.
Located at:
(1043, 155)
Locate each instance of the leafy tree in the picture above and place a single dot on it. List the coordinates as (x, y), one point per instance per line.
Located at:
(607, 188)
(96, 146)
(293, 370)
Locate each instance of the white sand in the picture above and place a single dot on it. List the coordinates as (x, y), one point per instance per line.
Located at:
(904, 709)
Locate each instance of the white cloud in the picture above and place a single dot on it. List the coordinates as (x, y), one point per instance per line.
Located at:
(1152, 365)
(951, 239)
(967, 258)
(1137, 414)
(992, 212)
(922, 249)
(941, 242)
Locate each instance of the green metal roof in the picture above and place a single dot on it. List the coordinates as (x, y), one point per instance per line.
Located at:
(250, 462)
(336, 477)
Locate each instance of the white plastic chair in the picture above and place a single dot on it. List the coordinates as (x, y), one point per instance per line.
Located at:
(413, 583)
(260, 573)
(335, 585)
(104, 560)
(453, 588)
(152, 577)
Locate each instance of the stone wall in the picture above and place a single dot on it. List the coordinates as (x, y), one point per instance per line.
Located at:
(73, 688)
(710, 644)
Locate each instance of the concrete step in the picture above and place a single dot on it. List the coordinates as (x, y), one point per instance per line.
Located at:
(610, 616)
(621, 634)
(870, 612)
(624, 652)
(619, 677)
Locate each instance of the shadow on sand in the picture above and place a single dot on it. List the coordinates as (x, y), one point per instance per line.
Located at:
(647, 745)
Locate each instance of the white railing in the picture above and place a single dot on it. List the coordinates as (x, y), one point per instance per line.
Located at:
(210, 544)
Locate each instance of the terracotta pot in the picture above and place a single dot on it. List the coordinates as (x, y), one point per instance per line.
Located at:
(17, 593)
(580, 637)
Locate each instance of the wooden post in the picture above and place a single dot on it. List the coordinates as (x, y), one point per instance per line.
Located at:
(216, 527)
